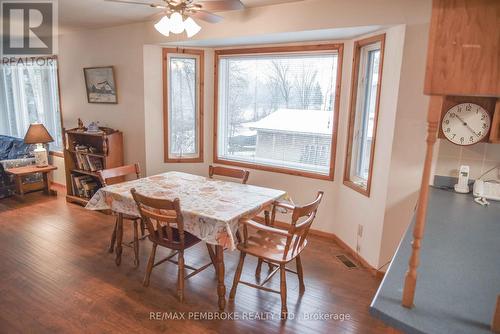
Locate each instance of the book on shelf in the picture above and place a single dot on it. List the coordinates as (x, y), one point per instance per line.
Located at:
(84, 186)
(87, 162)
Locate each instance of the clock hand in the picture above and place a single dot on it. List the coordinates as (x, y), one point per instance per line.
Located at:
(467, 125)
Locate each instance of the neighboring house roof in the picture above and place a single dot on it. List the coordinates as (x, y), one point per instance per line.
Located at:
(296, 120)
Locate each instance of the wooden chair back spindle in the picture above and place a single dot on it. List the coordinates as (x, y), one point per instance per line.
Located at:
(163, 219)
(229, 172)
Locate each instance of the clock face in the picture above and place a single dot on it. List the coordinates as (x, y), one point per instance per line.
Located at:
(466, 124)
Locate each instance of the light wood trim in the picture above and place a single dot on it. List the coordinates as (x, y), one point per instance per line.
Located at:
(337, 47)
(200, 102)
(410, 283)
(280, 49)
(495, 124)
(352, 113)
(495, 323)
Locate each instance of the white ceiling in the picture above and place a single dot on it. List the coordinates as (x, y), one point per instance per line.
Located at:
(285, 37)
(94, 14)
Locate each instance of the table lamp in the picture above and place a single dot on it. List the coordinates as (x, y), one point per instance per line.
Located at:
(38, 134)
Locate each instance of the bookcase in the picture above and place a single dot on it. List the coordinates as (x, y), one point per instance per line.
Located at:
(85, 153)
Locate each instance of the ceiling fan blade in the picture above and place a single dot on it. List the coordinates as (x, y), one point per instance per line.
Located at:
(220, 5)
(130, 2)
(206, 16)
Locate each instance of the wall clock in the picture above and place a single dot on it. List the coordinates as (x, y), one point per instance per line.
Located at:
(472, 118)
(466, 124)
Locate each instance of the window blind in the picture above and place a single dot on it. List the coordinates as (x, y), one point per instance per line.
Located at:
(277, 110)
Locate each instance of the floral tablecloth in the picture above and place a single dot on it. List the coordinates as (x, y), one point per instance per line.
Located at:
(211, 208)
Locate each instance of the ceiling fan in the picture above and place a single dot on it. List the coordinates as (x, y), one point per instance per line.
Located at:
(179, 14)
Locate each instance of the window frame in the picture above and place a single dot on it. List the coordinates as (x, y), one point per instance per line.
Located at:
(336, 47)
(358, 45)
(199, 55)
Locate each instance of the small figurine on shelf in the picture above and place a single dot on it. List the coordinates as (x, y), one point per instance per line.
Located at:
(80, 125)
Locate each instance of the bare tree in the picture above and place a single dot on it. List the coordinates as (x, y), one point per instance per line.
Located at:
(182, 132)
(281, 81)
(237, 96)
(305, 84)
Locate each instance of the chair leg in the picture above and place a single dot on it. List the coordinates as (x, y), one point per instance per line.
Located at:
(284, 310)
(259, 268)
(180, 276)
(136, 244)
(212, 255)
(113, 238)
(143, 228)
(237, 276)
(268, 222)
(300, 273)
(149, 269)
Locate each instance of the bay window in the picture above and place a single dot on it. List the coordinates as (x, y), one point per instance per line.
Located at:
(277, 108)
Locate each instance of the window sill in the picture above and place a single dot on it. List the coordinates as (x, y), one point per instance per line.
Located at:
(281, 170)
(358, 187)
(56, 154)
(183, 160)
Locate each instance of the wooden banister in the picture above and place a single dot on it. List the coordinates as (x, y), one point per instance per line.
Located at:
(495, 324)
(433, 117)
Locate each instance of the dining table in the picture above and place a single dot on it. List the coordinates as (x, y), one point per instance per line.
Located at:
(211, 209)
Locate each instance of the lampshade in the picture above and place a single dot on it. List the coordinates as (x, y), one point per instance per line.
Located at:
(37, 134)
(163, 26)
(176, 23)
(192, 28)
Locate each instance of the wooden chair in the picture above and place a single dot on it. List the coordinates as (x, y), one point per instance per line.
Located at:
(232, 173)
(163, 219)
(107, 176)
(278, 247)
(229, 172)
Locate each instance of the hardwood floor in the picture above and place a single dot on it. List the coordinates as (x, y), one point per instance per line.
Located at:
(56, 276)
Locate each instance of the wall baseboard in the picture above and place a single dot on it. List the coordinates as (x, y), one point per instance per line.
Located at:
(333, 237)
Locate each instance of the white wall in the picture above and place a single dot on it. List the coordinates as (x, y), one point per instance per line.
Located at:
(135, 52)
(122, 48)
(58, 176)
(352, 208)
(408, 147)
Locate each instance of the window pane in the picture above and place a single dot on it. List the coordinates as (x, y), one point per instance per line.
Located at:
(29, 94)
(364, 113)
(367, 112)
(183, 136)
(277, 110)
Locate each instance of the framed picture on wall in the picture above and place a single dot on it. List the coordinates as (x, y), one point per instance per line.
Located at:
(100, 84)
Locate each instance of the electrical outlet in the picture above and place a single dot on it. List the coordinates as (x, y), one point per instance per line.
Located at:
(360, 230)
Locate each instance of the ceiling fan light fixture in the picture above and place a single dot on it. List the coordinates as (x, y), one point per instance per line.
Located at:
(163, 26)
(192, 28)
(176, 23)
